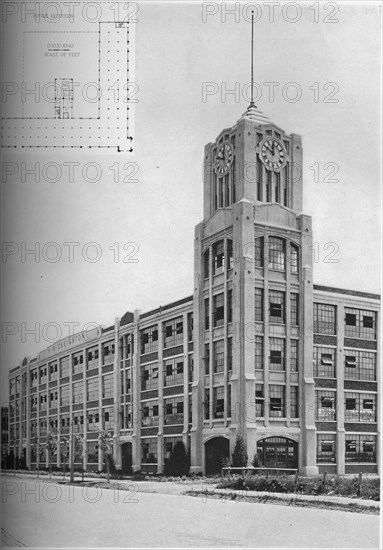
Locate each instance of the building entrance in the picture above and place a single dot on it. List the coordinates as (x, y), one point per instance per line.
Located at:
(277, 452)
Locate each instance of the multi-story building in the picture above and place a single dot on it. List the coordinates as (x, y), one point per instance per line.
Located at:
(258, 349)
(4, 435)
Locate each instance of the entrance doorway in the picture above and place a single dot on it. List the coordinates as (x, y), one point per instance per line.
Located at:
(277, 452)
(126, 458)
(217, 450)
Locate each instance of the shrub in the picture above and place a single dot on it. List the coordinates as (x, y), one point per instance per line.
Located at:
(239, 456)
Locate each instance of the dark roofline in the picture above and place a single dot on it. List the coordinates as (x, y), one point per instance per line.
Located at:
(168, 306)
(348, 292)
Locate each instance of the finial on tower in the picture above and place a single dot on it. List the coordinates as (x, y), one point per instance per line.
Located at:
(252, 61)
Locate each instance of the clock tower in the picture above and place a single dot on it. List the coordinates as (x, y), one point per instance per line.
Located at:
(253, 295)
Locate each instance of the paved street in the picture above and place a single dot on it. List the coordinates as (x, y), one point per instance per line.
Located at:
(43, 514)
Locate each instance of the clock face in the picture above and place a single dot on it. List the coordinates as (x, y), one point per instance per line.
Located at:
(272, 153)
(223, 159)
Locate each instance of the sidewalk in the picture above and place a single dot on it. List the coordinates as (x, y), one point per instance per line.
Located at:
(295, 497)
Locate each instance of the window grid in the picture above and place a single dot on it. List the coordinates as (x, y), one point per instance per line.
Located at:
(360, 448)
(149, 377)
(258, 316)
(324, 362)
(218, 258)
(64, 395)
(107, 386)
(326, 448)
(77, 362)
(325, 406)
(259, 252)
(174, 410)
(173, 332)
(149, 451)
(173, 371)
(276, 254)
(78, 392)
(108, 353)
(276, 306)
(294, 402)
(206, 404)
(277, 354)
(277, 401)
(294, 358)
(259, 401)
(150, 413)
(258, 360)
(218, 356)
(294, 255)
(360, 323)
(218, 401)
(324, 319)
(359, 365)
(64, 367)
(149, 340)
(92, 388)
(230, 354)
(359, 407)
(218, 310)
(93, 421)
(92, 358)
(294, 308)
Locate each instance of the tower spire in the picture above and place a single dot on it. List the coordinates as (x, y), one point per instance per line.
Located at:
(252, 61)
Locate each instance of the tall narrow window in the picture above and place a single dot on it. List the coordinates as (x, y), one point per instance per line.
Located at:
(286, 183)
(268, 185)
(276, 254)
(230, 258)
(259, 180)
(206, 264)
(294, 309)
(293, 258)
(276, 306)
(218, 310)
(218, 258)
(230, 306)
(277, 189)
(258, 360)
(258, 316)
(258, 252)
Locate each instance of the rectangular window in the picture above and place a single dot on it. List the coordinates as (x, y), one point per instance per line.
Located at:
(230, 306)
(258, 304)
(258, 360)
(218, 310)
(108, 352)
(92, 358)
(206, 404)
(64, 367)
(294, 403)
(259, 401)
(53, 370)
(218, 356)
(173, 332)
(218, 402)
(324, 319)
(93, 421)
(149, 450)
(174, 410)
(64, 395)
(286, 183)
(174, 371)
(294, 308)
(150, 413)
(78, 392)
(43, 375)
(359, 365)
(359, 407)
(325, 406)
(276, 306)
(218, 258)
(277, 187)
(277, 401)
(277, 354)
(92, 389)
(107, 386)
(360, 323)
(324, 362)
(190, 327)
(206, 358)
(149, 377)
(360, 448)
(276, 254)
(259, 252)
(108, 413)
(207, 313)
(149, 340)
(294, 355)
(230, 254)
(325, 448)
(259, 180)
(230, 354)
(77, 363)
(268, 186)
(294, 255)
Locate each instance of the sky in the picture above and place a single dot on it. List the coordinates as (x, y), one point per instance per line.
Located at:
(331, 56)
